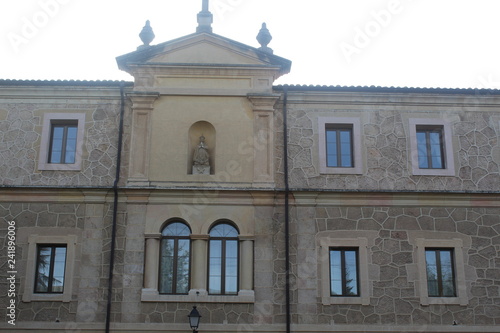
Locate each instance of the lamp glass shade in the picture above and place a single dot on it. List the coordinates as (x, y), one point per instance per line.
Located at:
(194, 318)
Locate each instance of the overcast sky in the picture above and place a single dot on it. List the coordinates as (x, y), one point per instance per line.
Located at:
(415, 43)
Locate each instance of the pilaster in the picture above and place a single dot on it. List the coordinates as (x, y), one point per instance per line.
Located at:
(263, 109)
(140, 143)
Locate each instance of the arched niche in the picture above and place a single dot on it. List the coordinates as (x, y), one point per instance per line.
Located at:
(207, 130)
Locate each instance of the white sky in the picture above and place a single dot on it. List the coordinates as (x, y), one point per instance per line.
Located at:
(415, 43)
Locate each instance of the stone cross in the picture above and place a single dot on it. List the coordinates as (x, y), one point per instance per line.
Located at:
(204, 6)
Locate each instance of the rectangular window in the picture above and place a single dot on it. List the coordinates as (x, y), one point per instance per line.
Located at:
(61, 146)
(223, 267)
(63, 140)
(340, 145)
(430, 147)
(344, 280)
(440, 272)
(50, 268)
(339, 148)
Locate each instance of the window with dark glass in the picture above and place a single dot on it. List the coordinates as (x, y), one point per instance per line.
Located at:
(63, 135)
(440, 272)
(344, 276)
(223, 260)
(50, 268)
(175, 249)
(430, 147)
(339, 147)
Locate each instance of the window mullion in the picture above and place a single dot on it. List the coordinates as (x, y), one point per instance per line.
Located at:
(51, 268)
(174, 265)
(342, 271)
(223, 267)
(339, 148)
(439, 273)
(64, 144)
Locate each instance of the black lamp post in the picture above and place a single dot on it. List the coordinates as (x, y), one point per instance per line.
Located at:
(194, 319)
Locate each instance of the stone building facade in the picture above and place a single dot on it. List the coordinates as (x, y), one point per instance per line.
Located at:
(278, 200)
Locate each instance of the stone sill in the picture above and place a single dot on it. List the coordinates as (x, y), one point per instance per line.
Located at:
(197, 296)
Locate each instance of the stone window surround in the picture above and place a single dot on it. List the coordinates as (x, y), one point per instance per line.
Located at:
(198, 284)
(48, 119)
(362, 244)
(356, 145)
(448, 147)
(28, 294)
(457, 246)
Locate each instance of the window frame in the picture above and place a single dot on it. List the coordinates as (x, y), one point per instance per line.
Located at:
(51, 119)
(338, 129)
(343, 251)
(446, 147)
(53, 250)
(361, 243)
(174, 276)
(456, 245)
(356, 148)
(34, 241)
(439, 275)
(223, 261)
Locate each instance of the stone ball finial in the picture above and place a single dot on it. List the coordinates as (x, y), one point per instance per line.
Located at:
(264, 37)
(147, 35)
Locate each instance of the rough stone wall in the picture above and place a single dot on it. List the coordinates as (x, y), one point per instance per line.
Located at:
(91, 223)
(394, 297)
(385, 149)
(20, 136)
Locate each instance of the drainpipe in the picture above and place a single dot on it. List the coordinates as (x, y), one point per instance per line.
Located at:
(115, 209)
(287, 215)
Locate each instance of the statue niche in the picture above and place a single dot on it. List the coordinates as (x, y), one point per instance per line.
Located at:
(201, 159)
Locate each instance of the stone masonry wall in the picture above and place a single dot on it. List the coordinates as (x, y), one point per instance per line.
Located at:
(20, 135)
(385, 149)
(91, 224)
(394, 297)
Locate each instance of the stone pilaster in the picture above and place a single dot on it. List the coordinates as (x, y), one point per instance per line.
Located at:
(142, 107)
(199, 265)
(246, 281)
(151, 264)
(263, 108)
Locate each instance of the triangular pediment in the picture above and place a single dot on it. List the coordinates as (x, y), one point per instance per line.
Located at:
(202, 49)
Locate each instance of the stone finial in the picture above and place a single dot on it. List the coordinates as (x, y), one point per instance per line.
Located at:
(147, 35)
(205, 18)
(264, 37)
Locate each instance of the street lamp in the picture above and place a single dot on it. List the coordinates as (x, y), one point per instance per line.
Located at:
(194, 319)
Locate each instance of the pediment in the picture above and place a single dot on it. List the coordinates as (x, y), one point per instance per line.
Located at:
(201, 49)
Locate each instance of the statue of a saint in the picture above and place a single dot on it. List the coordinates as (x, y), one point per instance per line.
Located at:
(201, 163)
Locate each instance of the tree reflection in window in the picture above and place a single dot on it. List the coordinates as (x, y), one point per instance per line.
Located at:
(223, 260)
(50, 269)
(440, 272)
(175, 250)
(344, 279)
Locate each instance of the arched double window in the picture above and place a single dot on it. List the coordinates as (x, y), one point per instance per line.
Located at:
(175, 250)
(223, 258)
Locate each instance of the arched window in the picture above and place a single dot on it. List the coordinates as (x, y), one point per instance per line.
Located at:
(175, 251)
(223, 260)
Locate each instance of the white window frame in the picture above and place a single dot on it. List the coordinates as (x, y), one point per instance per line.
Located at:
(48, 120)
(448, 159)
(323, 122)
(457, 246)
(361, 243)
(29, 294)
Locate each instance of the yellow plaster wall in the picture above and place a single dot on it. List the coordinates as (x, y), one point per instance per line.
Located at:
(204, 52)
(232, 118)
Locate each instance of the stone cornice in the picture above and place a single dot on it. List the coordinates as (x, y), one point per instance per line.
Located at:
(395, 199)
